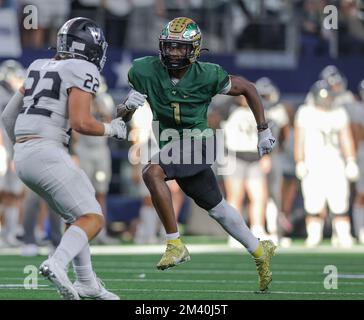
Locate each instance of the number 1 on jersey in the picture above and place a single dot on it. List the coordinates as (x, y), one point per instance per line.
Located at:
(176, 112)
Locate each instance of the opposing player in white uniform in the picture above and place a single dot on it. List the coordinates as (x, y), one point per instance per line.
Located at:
(12, 76)
(325, 160)
(277, 115)
(358, 209)
(94, 154)
(250, 174)
(57, 98)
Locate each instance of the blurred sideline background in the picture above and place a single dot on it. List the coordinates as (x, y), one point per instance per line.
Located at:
(282, 40)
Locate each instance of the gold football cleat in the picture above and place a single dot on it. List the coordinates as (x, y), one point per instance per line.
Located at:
(263, 264)
(174, 255)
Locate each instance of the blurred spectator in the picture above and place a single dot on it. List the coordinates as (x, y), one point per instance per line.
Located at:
(265, 29)
(8, 4)
(91, 9)
(117, 17)
(312, 12)
(51, 15)
(351, 28)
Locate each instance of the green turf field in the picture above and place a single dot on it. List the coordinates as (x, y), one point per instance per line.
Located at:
(207, 276)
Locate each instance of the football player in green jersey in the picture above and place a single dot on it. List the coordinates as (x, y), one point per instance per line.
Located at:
(179, 89)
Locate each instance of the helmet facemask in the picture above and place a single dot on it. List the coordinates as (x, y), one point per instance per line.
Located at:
(176, 55)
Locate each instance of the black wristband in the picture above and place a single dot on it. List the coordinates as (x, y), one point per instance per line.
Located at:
(262, 126)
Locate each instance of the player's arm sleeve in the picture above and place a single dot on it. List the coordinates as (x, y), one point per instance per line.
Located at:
(81, 74)
(223, 82)
(10, 113)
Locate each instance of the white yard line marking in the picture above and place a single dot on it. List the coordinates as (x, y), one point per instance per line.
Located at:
(196, 248)
(243, 291)
(328, 293)
(351, 276)
(210, 281)
(17, 286)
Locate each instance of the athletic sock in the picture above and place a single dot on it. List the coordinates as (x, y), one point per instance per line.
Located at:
(82, 267)
(148, 225)
(358, 219)
(11, 215)
(314, 229)
(259, 252)
(172, 236)
(234, 225)
(73, 241)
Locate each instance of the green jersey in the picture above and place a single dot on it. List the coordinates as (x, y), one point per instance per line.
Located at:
(182, 105)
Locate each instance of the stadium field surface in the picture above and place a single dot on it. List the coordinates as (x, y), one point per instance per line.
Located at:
(215, 272)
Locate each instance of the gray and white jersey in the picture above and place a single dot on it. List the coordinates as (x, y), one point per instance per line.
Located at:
(46, 92)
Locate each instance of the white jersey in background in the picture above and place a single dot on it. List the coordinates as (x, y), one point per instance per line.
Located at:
(241, 131)
(321, 133)
(45, 111)
(278, 115)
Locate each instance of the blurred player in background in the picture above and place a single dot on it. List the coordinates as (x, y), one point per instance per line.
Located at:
(289, 179)
(338, 85)
(358, 209)
(179, 90)
(55, 99)
(250, 174)
(12, 76)
(33, 205)
(277, 115)
(94, 154)
(325, 160)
